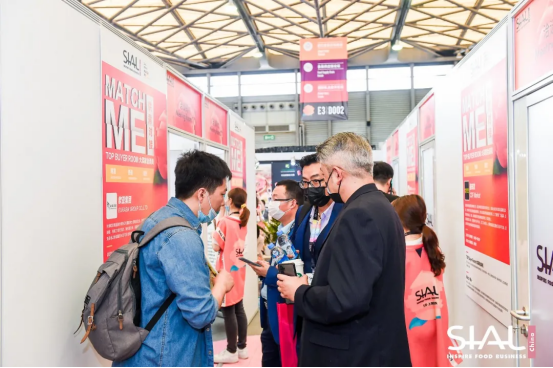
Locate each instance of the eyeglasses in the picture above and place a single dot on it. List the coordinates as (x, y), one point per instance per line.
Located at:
(282, 200)
(316, 183)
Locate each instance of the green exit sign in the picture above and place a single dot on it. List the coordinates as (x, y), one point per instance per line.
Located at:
(269, 137)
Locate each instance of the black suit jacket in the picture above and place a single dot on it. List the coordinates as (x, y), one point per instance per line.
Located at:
(353, 312)
(390, 197)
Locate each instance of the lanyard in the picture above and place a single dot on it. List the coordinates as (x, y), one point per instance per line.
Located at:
(315, 231)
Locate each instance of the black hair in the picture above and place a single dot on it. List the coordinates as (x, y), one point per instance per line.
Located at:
(382, 172)
(293, 190)
(198, 169)
(309, 160)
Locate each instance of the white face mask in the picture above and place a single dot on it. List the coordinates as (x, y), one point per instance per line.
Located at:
(275, 211)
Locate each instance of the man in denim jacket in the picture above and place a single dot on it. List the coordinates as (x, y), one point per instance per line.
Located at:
(174, 262)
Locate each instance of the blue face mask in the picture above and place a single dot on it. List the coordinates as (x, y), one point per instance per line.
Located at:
(227, 210)
(210, 217)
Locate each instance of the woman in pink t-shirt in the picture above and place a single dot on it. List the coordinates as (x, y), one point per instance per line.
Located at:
(229, 240)
(426, 315)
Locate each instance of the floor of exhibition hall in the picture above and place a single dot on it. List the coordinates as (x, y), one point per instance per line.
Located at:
(254, 342)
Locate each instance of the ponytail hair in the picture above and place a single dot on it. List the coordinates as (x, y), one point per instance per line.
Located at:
(239, 198)
(412, 213)
(432, 248)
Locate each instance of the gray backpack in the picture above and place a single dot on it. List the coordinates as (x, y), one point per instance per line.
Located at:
(112, 305)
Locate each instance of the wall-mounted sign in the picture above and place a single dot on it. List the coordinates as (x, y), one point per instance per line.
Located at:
(237, 152)
(427, 119)
(412, 162)
(184, 106)
(215, 122)
(269, 137)
(485, 182)
(134, 139)
(324, 64)
(533, 42)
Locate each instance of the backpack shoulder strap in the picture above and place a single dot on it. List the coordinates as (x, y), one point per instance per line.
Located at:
(162, 226)
(156, 230)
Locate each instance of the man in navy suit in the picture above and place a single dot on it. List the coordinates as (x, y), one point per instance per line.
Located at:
(287, 197)
(314, 219)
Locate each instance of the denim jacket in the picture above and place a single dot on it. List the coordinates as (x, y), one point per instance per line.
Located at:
(175, 262)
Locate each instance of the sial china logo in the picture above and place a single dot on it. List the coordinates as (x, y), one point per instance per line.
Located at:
(491, 337)
(546, 262)
(428, 292)
(522, 19)
(237, 127)
(170, 80)
(131, 62)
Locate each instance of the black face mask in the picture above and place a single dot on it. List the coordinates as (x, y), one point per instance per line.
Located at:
(334, 196)
(317, 196)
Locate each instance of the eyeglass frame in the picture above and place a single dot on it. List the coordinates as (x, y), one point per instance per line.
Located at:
(310, 183)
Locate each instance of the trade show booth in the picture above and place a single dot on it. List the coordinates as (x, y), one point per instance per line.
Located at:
(92, 125)
(481, 164)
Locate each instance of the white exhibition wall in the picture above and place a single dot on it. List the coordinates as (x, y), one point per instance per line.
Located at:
(51, 172)
(51, 180)
(251, 298)
(463, 311)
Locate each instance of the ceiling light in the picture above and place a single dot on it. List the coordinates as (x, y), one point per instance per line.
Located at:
(258, 55)
(231, 7)
(397, 46)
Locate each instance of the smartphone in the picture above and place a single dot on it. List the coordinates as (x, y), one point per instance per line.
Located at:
(252, 263)
(288, 269)
(391, 191)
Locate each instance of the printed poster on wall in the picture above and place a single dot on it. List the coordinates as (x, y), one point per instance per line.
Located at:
(395, 145)
(237, 152)
(184, 106)
(134, 140)
(412, 162)
(389, 150)
(485, 182)
(533, 42)
(427, 119)
(215, 121)
(324, 65)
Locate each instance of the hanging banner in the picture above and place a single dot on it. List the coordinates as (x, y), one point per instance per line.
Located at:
(134, 139)
(427, 118)
(237, 152)
(412, 162)
(485, 182)
(184, 106)
(215, 122)
(324, 65)
(533, 42)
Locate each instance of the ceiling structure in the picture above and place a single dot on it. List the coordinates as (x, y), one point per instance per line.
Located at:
(252, 34)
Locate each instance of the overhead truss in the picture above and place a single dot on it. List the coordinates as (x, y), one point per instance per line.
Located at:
(216, 33)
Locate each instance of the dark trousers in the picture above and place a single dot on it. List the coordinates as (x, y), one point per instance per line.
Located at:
(236, 326)
(269, 348)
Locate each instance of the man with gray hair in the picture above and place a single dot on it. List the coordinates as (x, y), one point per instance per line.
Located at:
(353, 312)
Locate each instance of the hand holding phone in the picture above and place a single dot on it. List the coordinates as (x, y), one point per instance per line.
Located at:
(251, 263)
(288, 269)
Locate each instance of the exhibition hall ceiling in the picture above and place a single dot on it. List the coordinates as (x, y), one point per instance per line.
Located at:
(212, 34)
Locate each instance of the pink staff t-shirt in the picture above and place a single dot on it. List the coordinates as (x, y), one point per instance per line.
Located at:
(231, 238)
